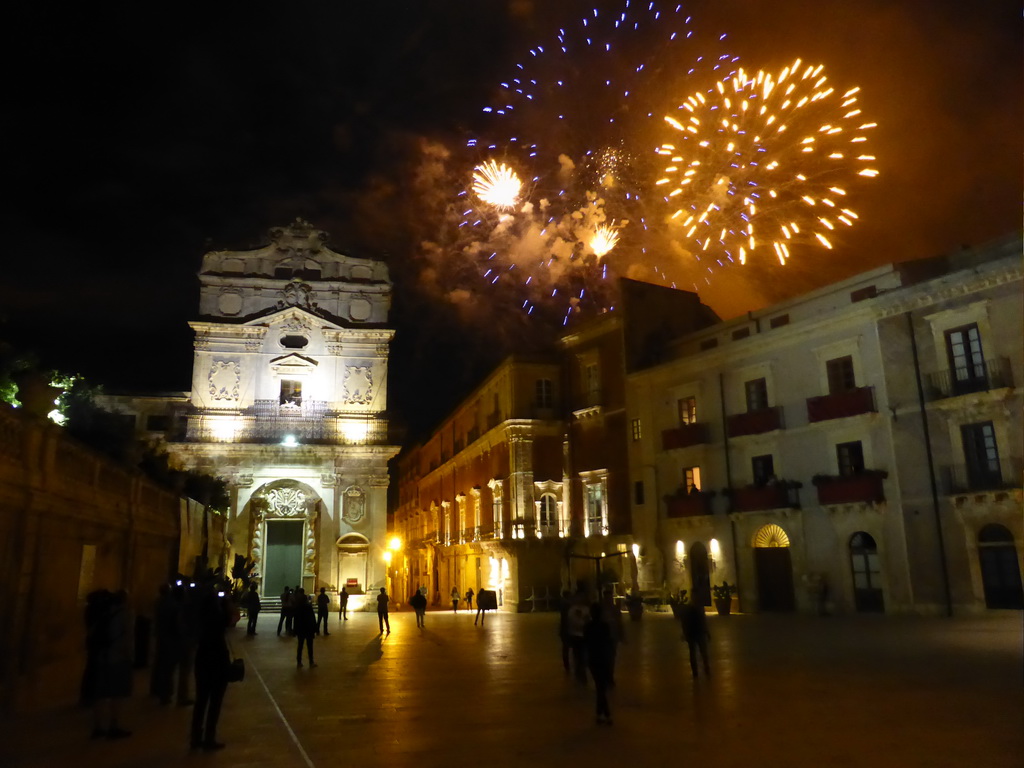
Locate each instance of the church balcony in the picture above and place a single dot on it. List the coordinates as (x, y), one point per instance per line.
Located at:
(268, 422)
(684, 436)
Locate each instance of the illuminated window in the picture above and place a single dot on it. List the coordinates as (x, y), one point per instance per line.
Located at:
(691, 479)
(597, 511)
(637, 434)
(687, 410)
(966, 362)
(497, 508)
(547, 515)
(981, 455)
(291, 392)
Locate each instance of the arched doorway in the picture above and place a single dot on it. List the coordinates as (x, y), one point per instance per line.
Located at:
(867, 574)
(1000, 570)
(284, 515)
(774, 569)
(353, 550)
(700, 574)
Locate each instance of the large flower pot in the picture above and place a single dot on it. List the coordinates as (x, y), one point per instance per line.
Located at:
(723, 605)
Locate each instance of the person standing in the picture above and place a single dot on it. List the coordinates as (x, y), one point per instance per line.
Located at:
(576, 624)
(286, 612)
(323, 608)
(696, 635)
(455, 599)
(469, 599)
(252, 608)
(305, 625)
(382, 610)
(343, 603)
(108, 671)
(599, 643)
(485, 599)
(419, 604)
(211, 667)
(167, 642)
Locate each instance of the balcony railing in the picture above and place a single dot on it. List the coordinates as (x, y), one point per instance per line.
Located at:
(864, 487)
(690, 505)
(267, 421)
(963, 478)
(755, 422)
(784, 495)
(836, 406)
(684, 436)
(996, 375)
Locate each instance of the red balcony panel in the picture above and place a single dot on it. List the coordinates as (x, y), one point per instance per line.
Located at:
(755, 422)
(752, 499)
(865, 487)
(684, 436)
(849, 403)
(691, 505)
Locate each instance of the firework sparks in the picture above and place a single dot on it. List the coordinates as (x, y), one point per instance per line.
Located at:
(762, 161)
(497, 185)
(604, 240)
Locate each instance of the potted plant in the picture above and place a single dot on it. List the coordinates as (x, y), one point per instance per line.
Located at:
(723, 597)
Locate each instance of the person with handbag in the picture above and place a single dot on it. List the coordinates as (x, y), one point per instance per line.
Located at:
(212, 669)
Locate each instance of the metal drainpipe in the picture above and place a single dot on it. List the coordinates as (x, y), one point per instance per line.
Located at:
(931, 466)
(728, 477)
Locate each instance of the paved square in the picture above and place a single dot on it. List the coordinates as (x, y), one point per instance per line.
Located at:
(785, 691)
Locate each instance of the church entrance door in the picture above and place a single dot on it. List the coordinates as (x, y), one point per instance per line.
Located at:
(284, 556)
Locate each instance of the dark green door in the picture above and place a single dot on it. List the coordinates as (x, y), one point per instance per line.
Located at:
(284, 556)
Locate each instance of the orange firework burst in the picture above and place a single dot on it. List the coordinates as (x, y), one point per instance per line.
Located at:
(762, 161)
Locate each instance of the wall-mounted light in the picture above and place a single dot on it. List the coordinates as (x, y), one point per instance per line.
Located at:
(681, 553)
(289, 441)
(716, 553)
(636, 551)
(354, 430)
(387, 556)
(225, 429)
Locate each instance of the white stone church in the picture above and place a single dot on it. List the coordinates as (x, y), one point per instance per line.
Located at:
(288, 401)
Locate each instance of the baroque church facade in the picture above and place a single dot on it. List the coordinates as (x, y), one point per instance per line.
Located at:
(288, 403)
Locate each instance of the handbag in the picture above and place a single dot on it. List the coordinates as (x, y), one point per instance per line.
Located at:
(236, 669)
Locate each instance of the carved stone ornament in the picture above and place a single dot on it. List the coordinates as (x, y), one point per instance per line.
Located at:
(296, 294)
(354, 505)
(224, 379)
(358, 385)
(328, 480)
(286, 502)
(297, 323)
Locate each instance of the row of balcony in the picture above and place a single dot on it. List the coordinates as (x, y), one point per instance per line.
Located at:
(268, 421)
(837, 406)
(864, 487)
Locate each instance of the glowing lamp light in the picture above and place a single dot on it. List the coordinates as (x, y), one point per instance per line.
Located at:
(354, 430)
(716, 552)
(681, 553)
(395, 543)
(225, 429)
(387, 556)
(289, 441)
(636, 551)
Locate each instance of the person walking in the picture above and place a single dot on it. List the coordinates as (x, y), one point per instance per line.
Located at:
(563, 628)
(469, 599)
(286, 612)
(323, 608)
(343, 604)
(485, 599)
(455, 599)
(252, 608)
(576, 624)
(696, 635)
(419, 604)
(305, 625)
(599, 644)
(211, 668)
(382, 610)
(612, 616)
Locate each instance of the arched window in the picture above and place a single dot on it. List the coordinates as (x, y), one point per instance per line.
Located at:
(1000, 568)
(547, 515)
(867, 574)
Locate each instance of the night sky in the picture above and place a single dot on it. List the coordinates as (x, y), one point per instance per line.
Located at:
(139, 137)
